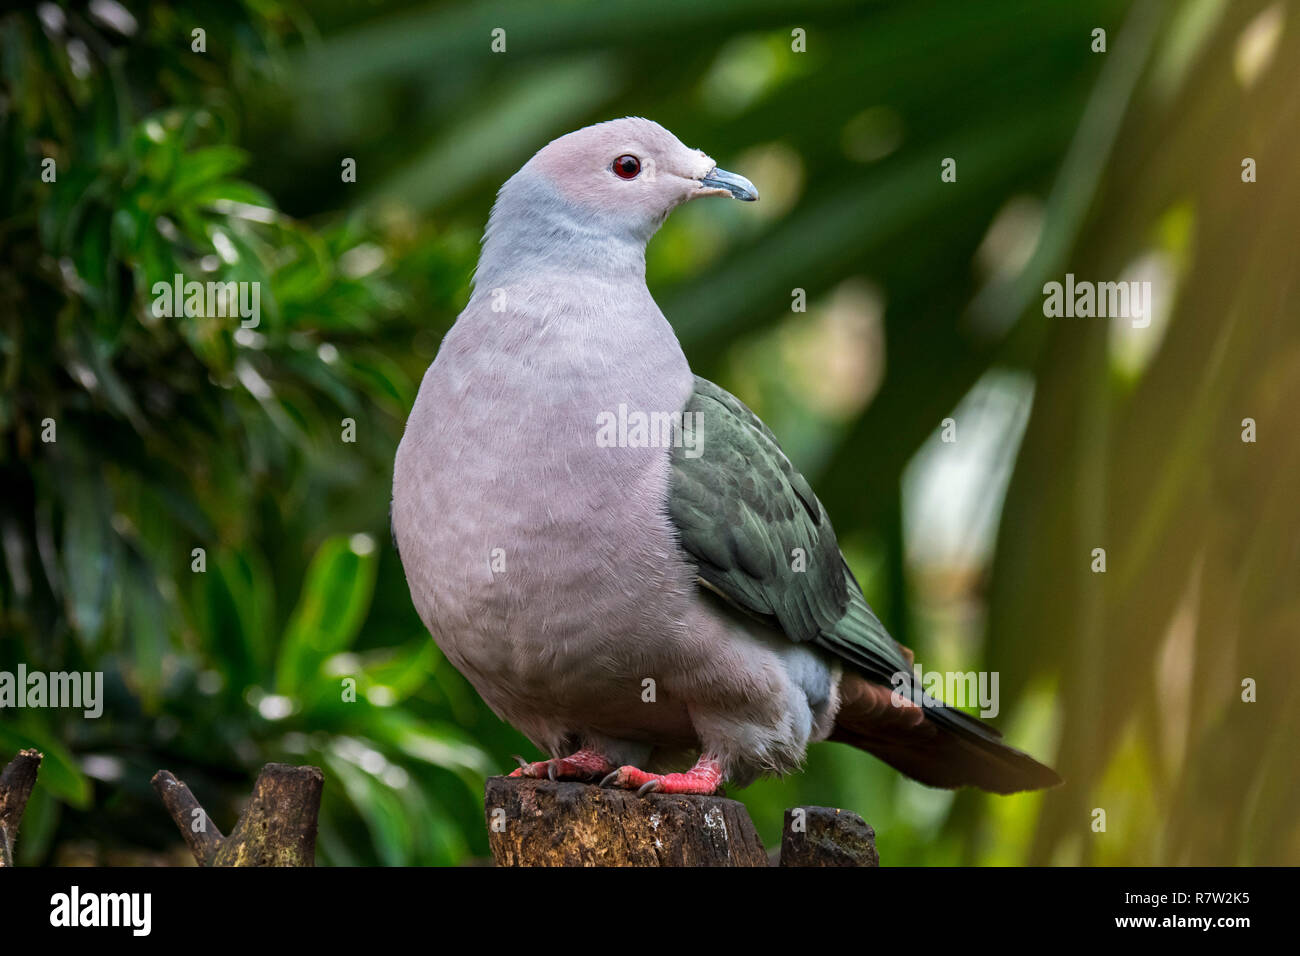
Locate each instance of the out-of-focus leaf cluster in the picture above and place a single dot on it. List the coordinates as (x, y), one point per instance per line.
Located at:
(177, 433)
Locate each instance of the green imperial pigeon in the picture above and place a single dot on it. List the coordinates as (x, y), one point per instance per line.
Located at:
(608, 547)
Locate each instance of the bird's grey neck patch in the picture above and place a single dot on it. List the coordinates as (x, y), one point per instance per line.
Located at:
(535, 230)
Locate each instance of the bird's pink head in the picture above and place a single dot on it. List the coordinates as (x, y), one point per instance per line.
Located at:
(592, 198)
(636, 165)
(631, 169)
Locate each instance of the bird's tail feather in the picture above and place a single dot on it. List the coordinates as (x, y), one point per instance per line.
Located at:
(936, 745)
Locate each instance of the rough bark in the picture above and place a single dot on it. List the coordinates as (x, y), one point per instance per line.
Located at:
(16, 782)
(543, 823)
(200, 833)
(277, 828)
(822, 836)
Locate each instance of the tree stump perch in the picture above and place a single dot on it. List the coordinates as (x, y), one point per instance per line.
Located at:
(277, 828)
(16, 783)
(547, 823)
(821, 836)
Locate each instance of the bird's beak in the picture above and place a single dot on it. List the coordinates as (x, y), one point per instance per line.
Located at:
(719, 181)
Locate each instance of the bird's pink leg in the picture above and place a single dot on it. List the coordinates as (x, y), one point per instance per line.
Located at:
(584, 765)
(705, 777)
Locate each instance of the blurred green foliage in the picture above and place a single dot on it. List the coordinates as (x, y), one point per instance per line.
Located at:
(924, 302)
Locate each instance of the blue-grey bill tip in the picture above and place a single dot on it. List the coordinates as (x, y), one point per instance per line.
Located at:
(739, 187)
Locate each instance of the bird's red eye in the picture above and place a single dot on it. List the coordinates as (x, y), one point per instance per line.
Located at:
(626, 167)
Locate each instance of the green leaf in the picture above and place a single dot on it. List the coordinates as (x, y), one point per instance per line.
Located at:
(201, 167)
(59, 773)
(89, 556)
(379, 806)
(331, 609)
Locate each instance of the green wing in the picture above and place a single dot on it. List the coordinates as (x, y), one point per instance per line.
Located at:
(747, 516)
(763, 541)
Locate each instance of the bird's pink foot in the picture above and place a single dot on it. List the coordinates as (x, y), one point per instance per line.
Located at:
(704, 778)
(584, 765)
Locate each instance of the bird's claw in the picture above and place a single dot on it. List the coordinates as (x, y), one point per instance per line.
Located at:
(518, 771)
(584, 765)
(630, 778)
(704, 778)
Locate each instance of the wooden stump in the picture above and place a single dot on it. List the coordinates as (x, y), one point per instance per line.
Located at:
(277, 828)
(545, 823)
(821, 836)
(16, 783)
